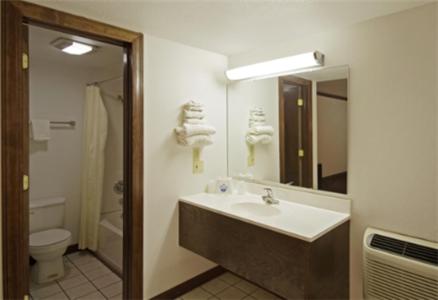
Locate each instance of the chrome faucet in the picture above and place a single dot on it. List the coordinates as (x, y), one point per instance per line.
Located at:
(269, 197)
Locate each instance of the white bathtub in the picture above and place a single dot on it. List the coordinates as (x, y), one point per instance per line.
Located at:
(110, 247)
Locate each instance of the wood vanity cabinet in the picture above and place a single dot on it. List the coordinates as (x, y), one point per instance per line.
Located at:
(289, 267)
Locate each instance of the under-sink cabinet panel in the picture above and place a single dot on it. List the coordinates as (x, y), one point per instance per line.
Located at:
(287, 266)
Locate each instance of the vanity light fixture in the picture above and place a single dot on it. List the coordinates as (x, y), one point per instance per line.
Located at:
(72, 47)
(276, 67)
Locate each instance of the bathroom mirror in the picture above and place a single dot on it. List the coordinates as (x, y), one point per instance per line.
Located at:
(291, 129)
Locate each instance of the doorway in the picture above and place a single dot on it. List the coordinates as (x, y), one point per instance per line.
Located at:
(17, 17)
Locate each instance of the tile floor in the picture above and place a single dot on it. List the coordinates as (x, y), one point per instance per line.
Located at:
(229, 287)
(86, 278)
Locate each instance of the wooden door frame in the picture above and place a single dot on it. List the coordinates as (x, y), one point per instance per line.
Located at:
(309, 124)
(14, 141)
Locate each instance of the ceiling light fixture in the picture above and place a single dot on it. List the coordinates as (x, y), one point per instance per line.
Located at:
(72, 47)
(277, 67)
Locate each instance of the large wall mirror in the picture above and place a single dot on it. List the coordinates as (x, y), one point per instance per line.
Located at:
(291, 129)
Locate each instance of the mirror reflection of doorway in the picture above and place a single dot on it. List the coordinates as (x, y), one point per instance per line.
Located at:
(295, 111)
(313, 132)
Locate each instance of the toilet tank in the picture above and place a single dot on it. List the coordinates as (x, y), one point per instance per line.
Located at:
(46, 214)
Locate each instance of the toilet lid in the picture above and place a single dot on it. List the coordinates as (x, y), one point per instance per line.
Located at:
(48, 237)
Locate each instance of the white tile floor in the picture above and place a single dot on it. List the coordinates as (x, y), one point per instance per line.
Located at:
(229, 287)
(86, 278)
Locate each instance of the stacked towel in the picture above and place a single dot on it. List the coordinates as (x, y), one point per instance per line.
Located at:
(258, 132)
(194, 132)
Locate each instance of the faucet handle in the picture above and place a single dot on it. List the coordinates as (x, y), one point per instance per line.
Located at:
(269, 192)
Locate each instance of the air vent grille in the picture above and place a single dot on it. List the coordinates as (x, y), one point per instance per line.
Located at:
(406, 249)
(388, 282)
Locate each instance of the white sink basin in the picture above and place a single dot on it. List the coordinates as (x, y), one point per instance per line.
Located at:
(257, 209)
(298, 220)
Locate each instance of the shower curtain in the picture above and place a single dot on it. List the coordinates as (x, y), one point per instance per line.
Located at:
(93, 150)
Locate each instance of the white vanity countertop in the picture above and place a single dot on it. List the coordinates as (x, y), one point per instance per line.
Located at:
(294, 219)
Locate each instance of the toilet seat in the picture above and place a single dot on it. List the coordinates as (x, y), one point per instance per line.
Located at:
(48, 237)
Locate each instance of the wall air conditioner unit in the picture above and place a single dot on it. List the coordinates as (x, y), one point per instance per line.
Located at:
(399, 267)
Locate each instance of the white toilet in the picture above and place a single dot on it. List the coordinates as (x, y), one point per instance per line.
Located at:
(48, 240)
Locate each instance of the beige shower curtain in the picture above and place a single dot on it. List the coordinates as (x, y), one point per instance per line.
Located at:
(93, 150)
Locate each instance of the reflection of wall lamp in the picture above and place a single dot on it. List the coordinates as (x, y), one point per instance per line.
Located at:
(277, 67)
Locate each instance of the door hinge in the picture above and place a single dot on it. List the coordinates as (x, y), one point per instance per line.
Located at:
(300, 152)
(25, 61)
(300, 102)
(25, 182)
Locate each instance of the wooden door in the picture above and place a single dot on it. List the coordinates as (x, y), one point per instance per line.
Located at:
(15, 152)
(295, 109)
(15, 140)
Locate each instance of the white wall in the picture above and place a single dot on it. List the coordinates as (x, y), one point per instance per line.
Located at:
(392, 120)
(174, 75)
(57, 93)
(243, 96)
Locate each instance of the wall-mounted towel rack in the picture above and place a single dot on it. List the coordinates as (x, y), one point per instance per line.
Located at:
(69, 123)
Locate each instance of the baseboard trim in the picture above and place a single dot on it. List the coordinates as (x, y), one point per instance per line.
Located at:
(190, 284)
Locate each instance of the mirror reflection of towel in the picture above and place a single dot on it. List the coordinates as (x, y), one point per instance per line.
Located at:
(40, 130)
(256, 139)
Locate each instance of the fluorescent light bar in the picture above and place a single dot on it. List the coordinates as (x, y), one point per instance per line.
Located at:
(277, 66)
(77, 49)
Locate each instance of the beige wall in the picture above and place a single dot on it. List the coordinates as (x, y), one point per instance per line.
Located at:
(174, 75)
(392, 121)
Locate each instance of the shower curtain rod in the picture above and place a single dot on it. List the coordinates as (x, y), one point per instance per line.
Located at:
(105, 80)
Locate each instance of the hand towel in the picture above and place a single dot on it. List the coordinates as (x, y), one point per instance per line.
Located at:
(190, 114)
(258, 139)
(187, 130)
(200, 140)
(263, 129)
(40, 130)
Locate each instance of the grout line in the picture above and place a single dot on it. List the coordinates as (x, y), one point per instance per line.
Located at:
(80, 271)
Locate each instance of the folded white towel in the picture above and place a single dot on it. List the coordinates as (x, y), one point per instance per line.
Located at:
(200, 140)
(256, 109)
(194, 129)
(261, 129)
(256, 123)
(256, 113)
(257, 118)
(194, 121)
(194, 106)
(40, 130)
(191, 114)
(258, 139)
